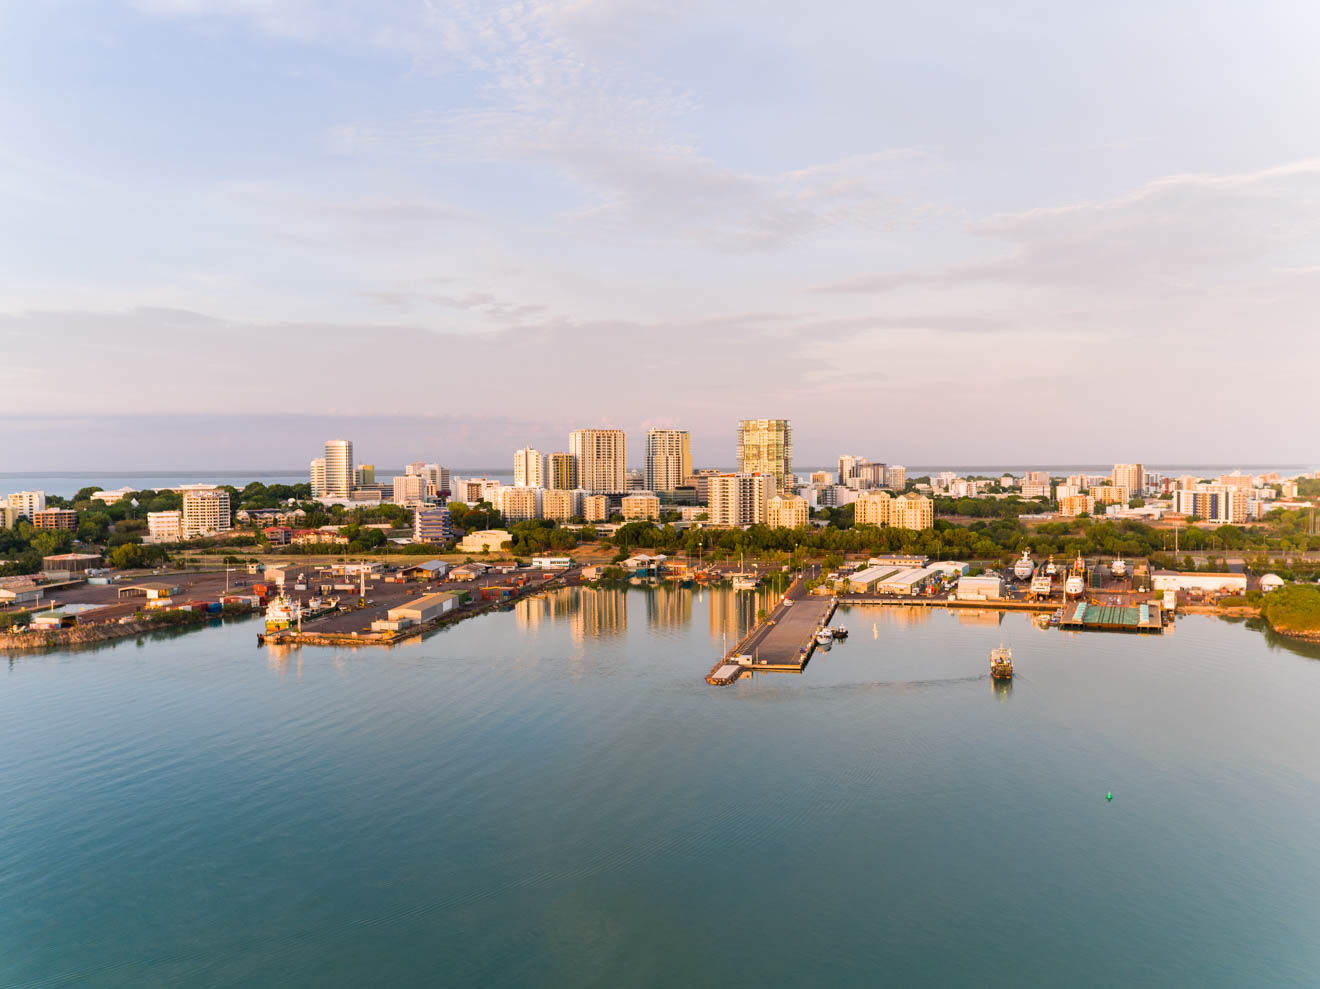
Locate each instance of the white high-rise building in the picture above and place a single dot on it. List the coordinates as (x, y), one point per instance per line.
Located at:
(765, 446)
(410, 489)
(316, 474)
(599, 457)
(668, 459)
(338, 468)
(435, 477)
(529, 468)
(205, 512)
(739, 499)
(26, 503)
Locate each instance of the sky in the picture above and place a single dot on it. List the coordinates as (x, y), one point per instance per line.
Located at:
(943, 232)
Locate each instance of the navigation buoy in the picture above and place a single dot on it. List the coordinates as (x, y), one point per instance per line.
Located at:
(1109, 796)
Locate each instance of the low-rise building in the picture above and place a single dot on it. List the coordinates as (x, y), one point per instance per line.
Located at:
(866, 581)
(430, 570)
(69, 564)
(55, 518)
(110, 497)
(1208, 583)
(641, 506)
(485, 541)
(950, 568)
(165, 527)
(907, 581)
(432, 525)
(277, 535)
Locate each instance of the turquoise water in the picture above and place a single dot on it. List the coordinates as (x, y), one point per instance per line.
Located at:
(554, 796)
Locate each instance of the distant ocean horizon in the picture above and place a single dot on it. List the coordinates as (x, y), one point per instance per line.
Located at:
(67, 483)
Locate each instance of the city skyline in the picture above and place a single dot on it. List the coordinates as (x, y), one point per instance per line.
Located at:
(585, 196)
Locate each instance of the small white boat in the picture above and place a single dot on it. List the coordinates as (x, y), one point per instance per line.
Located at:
(824, 638)
(744, 582)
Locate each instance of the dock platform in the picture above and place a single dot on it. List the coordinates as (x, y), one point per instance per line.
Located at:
(1112, 618)
(783, 643)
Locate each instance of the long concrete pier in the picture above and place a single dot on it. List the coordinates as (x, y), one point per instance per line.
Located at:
(783, 643)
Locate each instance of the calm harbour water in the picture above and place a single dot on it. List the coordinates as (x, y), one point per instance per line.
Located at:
(554, 796)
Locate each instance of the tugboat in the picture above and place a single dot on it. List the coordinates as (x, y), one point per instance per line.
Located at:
(1001, 663)
(839, 632)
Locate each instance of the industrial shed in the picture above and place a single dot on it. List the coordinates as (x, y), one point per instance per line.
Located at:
(425, 609)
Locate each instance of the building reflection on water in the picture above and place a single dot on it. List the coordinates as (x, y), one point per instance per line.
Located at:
(601, 611)
(977, 616)
(668, 606)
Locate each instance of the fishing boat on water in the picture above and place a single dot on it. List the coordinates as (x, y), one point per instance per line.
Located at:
(1001, 663)
(839, 631)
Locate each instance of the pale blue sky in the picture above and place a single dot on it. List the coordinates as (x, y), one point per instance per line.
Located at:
(948, 232)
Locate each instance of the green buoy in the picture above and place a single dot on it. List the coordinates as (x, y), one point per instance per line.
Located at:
(1109, 796)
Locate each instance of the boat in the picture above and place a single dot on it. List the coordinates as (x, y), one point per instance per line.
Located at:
(1024, 567)
(742, 580)
(1041, 584)
(839, 632)
(1001, 663)
(1076, 582)
(824, 638)
(1119, 567)
(1050, 568)
(281, 613)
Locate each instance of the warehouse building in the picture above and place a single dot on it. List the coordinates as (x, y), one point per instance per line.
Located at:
(1210, 583)
(425, 609)
(984, 588)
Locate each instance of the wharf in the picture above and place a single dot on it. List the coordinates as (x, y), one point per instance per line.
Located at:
(783, 643)
(920, 601)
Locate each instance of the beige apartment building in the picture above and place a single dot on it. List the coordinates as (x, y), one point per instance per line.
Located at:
(560, 506)
(739, 499)
(1130, 476)
(872, 508)
(908, 511)
(205, 512)
(519, 504)
(1110, 494)
(787, 512)
(599, 457)
(668, 459)
(1076, 504)
(595, 508)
